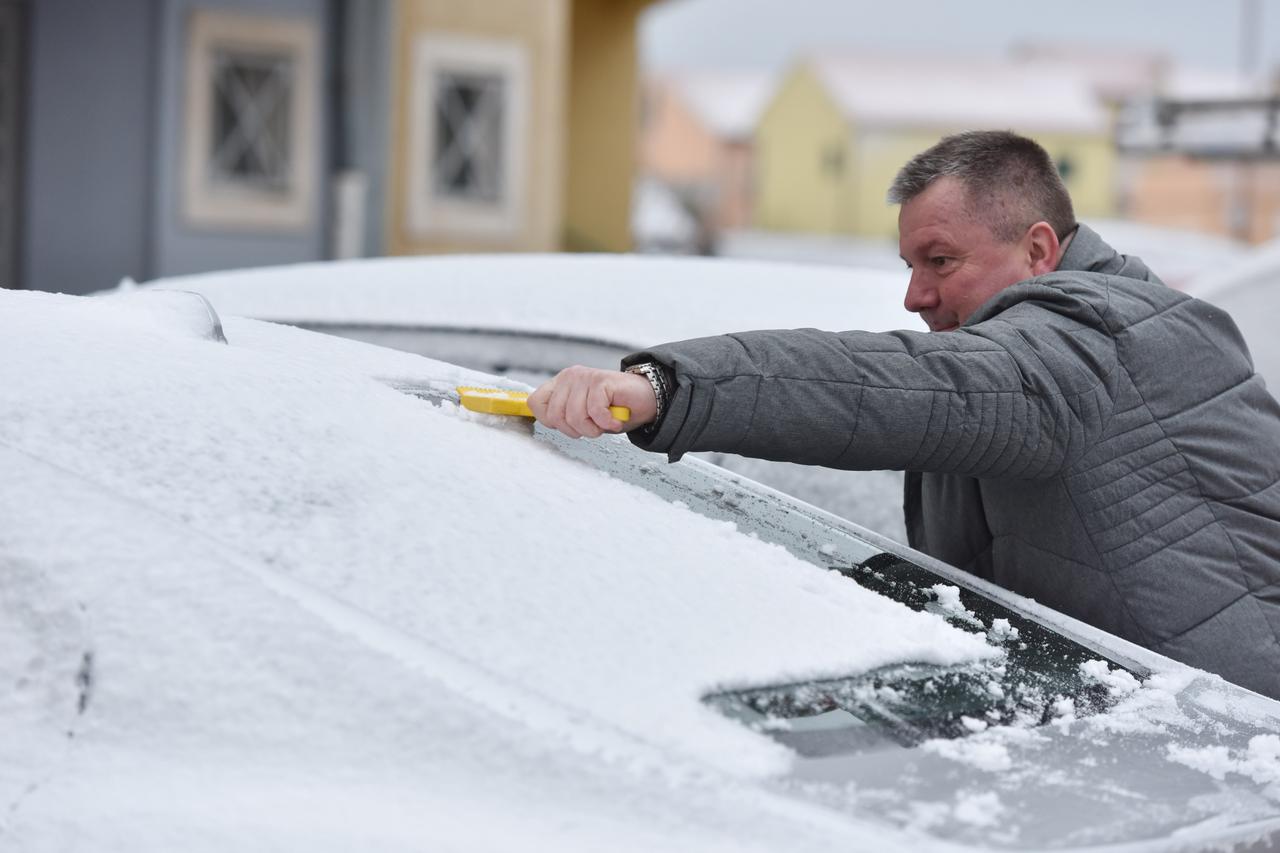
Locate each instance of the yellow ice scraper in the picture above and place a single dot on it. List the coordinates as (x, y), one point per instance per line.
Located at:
(498, 401)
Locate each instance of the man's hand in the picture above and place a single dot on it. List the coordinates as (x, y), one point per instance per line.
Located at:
(577, 401)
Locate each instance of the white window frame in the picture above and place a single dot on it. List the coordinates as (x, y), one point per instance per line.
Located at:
(428, 213)
(224, 205)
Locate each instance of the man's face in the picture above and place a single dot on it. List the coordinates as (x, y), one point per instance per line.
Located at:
(956, 262)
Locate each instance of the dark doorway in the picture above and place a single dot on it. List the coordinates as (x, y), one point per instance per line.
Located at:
(11, 91)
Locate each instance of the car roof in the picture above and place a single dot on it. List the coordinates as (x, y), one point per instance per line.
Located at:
(630, 300)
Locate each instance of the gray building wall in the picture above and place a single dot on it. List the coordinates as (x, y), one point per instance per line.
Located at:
(89, 162)
(181, 248)
(102, 192)
(366, 73)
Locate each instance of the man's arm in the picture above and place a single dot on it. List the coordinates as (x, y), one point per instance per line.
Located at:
(1015, 396)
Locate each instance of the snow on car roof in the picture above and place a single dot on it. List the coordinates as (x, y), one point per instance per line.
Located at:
(1247, 291)
(262, 550)
(630, 300)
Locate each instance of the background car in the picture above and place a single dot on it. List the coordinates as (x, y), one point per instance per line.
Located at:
(267, 589)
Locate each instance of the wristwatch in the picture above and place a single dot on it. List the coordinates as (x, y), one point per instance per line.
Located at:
(657, 375)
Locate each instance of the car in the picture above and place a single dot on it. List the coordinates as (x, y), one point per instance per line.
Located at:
(528, 316)
(271, 589)
(1246, 290)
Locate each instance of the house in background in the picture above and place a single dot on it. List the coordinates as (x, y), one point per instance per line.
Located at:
(696, 137)
(838, 129)
(1202, 152)
(161, 137)
(513, 125)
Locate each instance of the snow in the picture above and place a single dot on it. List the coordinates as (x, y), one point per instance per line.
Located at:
(987, 755)
(896, 91)
(665, 299)
(978, 808)
(1117, 681)
(292, 590)
(1260, 762)
(630, 302)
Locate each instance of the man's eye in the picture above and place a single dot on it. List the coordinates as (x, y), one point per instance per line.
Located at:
(939, 260)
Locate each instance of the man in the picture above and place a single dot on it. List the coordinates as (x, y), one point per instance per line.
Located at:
(1074, 430)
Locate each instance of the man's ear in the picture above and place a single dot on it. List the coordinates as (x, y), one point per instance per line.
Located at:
(1042, 248)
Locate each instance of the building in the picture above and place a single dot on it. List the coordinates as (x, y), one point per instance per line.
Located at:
(837, 130)
(697, 137)
(159, 137)
(1202, 152)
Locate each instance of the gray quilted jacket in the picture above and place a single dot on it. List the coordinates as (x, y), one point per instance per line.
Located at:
(1089, 438)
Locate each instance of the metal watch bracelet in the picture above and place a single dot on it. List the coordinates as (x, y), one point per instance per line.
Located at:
(657, 376)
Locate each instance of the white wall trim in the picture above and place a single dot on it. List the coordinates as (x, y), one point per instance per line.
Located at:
(211, 204)
(430, 214)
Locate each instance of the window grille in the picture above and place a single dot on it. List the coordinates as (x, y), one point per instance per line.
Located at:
(470, 111)
(468, 138)
(251, 122)
(251, 127)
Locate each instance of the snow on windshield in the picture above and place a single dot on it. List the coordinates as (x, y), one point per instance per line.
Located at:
(538, 587)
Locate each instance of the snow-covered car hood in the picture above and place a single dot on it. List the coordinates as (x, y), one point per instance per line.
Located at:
(255, 598)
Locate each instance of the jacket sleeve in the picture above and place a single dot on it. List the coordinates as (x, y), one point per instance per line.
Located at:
(1016, 396)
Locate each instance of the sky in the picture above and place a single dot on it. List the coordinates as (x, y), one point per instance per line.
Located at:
(770, 33)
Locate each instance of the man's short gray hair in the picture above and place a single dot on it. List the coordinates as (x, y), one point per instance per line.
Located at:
(1011, 182)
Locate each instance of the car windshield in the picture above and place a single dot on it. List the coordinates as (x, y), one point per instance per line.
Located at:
(1040, 674)
(1001, 752)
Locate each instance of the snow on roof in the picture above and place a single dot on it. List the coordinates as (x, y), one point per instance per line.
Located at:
(634, 301)
(960, 94)
(1116, 72)
(1189, 82)
(729, 102)
(282, 570)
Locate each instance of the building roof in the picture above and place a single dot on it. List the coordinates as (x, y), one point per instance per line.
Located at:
(728, 102)
(960, 93)
(1116, 72)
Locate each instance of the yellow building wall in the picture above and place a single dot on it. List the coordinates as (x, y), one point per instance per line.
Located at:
(879, 154)
(603, 124)
(803, 134)
(540, 25)
(804, 165)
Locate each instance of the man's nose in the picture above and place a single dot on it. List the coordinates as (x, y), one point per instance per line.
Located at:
(920, 295)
